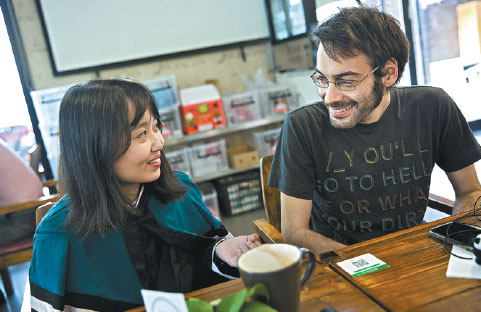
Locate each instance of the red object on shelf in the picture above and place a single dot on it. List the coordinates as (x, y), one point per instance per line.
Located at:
(203, 116)
(201, 109)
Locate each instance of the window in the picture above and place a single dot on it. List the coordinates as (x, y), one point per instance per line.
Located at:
(287, 19)
(15, 125)
(447, 49)
(326, 8)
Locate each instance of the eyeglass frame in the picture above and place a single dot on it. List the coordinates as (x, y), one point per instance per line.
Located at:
(338, 81)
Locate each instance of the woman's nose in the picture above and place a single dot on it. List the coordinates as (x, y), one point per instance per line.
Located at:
(158, 142)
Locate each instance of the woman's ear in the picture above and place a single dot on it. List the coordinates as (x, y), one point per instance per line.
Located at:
(390, 71)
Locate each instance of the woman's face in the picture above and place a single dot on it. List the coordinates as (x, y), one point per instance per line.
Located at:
(141, 162)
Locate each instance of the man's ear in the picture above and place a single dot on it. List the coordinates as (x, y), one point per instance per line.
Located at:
(390, 71)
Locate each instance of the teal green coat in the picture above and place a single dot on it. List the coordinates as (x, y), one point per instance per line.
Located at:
(97, 273)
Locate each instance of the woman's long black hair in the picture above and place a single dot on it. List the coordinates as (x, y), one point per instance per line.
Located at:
(94, 130)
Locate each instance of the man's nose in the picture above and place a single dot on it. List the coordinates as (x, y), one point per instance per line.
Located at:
(331, 94)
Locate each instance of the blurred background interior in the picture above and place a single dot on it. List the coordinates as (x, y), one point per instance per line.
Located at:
(224, 74)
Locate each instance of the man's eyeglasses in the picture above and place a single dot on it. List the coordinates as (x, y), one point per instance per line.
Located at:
(341, 84)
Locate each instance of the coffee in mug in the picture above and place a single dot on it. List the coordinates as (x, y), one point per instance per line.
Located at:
(279, 268)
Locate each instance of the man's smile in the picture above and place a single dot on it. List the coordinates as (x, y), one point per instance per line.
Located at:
(341, 110)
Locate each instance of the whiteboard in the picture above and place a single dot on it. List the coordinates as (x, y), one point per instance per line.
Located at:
(91, 33)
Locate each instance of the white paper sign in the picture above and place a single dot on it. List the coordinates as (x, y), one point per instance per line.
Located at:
(159, 301)
(362, 265)
(463, 268)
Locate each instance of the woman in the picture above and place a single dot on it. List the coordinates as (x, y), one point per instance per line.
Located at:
(128, 221)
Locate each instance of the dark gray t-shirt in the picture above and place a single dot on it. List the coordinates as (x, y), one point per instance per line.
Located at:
(372, 179)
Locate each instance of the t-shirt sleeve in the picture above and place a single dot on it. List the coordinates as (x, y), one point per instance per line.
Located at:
(292, 170)
(458, 146)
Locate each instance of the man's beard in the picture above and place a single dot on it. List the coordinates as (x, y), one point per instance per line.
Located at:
(368, 104)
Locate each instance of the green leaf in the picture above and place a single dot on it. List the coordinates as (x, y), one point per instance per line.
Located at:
(233, 302)
(242, 301)
(258, 291)
(197, 305)
(256, 306)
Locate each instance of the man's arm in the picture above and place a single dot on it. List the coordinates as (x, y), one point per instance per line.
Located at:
(295, 214)
(466, 188)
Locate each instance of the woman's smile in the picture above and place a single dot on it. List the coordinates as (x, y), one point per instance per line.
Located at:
(155, 162)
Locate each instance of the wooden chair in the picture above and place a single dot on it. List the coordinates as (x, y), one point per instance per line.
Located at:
(19, 251)
(35, 153)
(41, 211)
(270, 230)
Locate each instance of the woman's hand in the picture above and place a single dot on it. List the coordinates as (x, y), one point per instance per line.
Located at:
(231, 249)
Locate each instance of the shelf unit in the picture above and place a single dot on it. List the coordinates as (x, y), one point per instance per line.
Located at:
(192, 138)
(223, 173)
(222, 131)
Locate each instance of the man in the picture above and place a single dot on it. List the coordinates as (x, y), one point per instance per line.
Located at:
(359, 165)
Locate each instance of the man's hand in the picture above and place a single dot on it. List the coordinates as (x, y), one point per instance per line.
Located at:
(231, 249)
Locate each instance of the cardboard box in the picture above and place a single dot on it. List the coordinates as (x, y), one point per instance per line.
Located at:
(201, 109)
(242, 156)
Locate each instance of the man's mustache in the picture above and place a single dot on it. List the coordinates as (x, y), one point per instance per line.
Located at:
(341, 104)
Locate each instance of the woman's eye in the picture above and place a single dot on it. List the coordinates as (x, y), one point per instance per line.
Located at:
(142, 134)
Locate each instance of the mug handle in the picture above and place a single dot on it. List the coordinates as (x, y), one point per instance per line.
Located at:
(310, 266)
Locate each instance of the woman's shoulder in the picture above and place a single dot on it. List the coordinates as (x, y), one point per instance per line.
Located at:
(184, 179)
(54, 219)
(188, 214)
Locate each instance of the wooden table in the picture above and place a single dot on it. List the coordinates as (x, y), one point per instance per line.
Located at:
(325, 288)
(416, 279)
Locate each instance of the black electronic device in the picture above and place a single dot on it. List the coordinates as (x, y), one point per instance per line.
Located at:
(456, 233)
